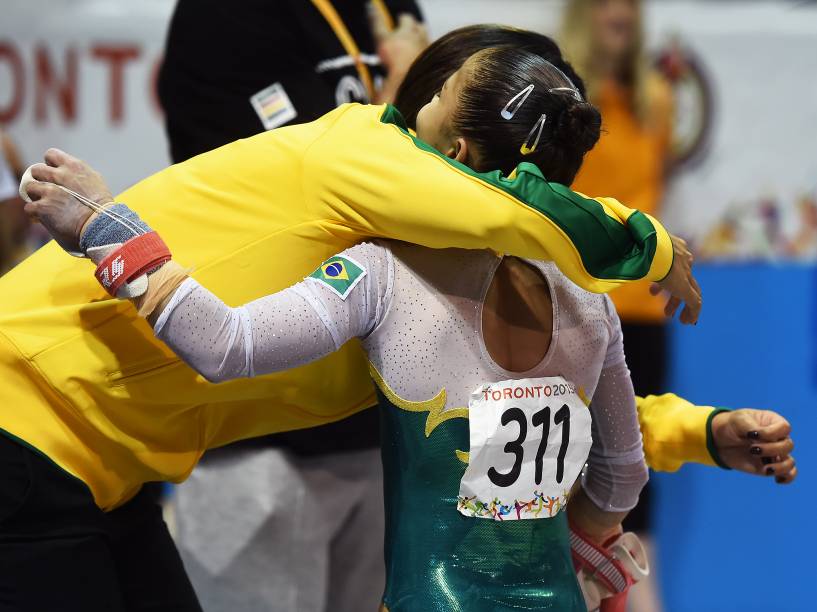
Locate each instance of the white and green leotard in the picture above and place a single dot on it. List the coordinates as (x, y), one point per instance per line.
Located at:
(417, 312)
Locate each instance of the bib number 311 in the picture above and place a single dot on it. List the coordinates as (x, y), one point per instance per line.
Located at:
(529, 440)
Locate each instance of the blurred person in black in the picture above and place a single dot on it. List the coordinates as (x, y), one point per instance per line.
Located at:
(292, 521)
(225, 63)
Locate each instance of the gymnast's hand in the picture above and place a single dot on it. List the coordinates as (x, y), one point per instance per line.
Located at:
(680, 284)
(63, 215)
(756, 442)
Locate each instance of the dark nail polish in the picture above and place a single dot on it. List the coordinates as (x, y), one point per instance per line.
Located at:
(753, 435)
(779, 479)
(755, 450)
(766, 460)
(769, 471)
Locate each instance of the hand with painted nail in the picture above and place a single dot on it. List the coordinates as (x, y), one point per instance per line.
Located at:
(756, 442)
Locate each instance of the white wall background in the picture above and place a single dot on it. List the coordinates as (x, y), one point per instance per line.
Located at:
(123, 151)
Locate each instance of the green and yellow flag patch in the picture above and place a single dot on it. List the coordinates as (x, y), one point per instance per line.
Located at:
(340, 274)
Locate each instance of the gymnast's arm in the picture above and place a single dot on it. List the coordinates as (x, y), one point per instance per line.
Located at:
(280, 331)
(616, 470)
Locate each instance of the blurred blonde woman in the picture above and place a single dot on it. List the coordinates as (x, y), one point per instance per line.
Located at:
(604, 40)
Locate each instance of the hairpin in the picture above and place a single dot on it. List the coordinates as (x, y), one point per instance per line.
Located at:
(572, 89)
(506, 112)
(537, 128)
(573, 92)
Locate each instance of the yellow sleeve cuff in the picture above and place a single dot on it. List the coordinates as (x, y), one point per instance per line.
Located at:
(674, 431)
(664, 253)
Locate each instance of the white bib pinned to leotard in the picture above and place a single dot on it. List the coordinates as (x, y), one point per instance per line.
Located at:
(529, 441)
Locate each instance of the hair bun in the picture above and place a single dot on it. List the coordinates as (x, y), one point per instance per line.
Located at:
(578, 126)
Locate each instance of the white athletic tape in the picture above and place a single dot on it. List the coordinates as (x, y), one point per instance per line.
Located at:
(27, 178)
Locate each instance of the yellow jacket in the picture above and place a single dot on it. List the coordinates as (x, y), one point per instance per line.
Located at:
(83, 380)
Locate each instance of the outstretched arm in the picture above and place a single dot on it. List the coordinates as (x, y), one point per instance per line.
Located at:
(749, 440)
(280, 331)
(223, 343)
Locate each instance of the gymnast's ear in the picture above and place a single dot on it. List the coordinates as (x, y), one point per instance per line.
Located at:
(460, 151)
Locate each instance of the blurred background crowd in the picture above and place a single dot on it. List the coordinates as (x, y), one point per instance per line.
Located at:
(709, 121)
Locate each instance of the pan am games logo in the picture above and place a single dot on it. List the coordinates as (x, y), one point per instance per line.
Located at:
(340, 274)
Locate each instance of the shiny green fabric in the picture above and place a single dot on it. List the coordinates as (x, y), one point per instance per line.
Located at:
(438, 560)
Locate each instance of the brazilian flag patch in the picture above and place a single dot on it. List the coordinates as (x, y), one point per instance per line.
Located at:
(340, 274)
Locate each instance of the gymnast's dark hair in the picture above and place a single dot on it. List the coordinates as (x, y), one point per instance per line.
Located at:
(507, 61)
(516, 106)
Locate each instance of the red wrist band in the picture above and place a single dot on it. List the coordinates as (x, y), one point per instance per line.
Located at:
(131, 260)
